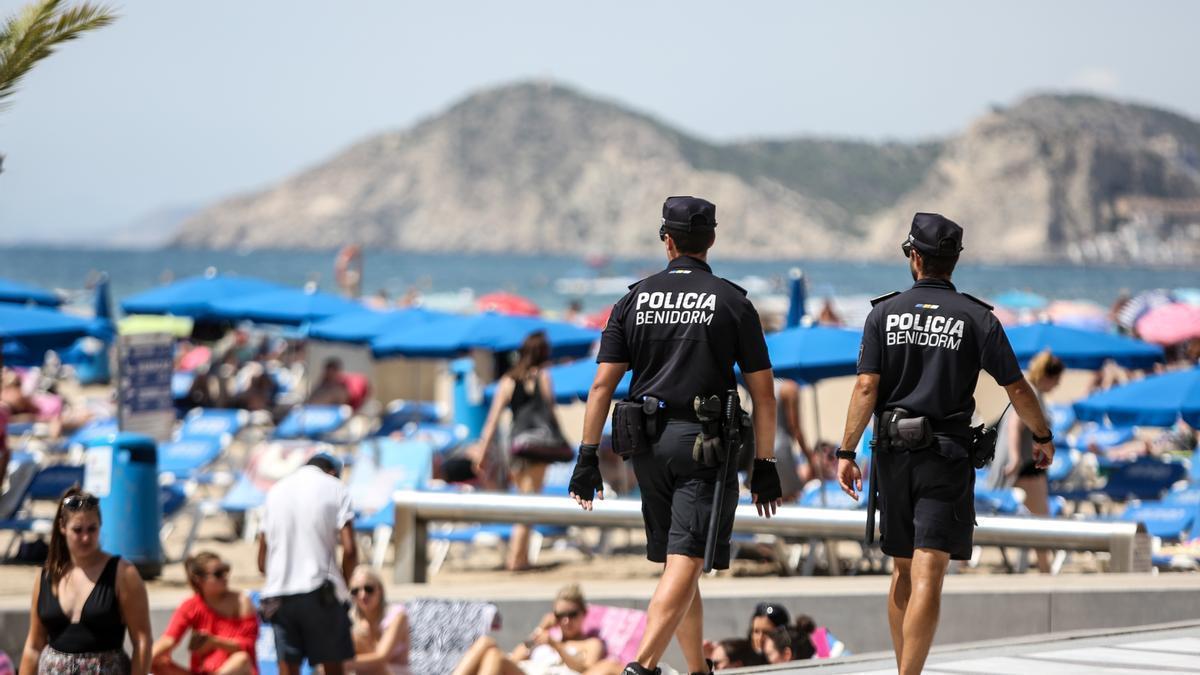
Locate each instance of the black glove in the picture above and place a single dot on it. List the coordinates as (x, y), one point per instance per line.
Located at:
(586, 478)
(764, 481)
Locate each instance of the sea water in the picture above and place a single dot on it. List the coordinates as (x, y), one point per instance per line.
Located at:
(594, 284)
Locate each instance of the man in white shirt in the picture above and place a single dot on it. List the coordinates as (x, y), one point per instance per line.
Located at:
(306, 516)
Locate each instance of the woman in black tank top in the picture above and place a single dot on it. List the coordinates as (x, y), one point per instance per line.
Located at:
(516, 388)
(85, 601)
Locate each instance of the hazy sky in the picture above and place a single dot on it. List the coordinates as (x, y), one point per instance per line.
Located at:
(181, 103)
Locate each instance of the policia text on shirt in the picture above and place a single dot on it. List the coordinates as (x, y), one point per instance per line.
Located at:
(918, 364)
(681, 331)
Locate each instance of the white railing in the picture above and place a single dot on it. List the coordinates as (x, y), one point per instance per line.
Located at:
(414, 510)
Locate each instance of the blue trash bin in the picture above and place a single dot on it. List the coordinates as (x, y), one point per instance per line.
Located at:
(122, 470)
(470, 409)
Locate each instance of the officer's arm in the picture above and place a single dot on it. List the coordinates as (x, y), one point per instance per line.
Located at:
(761, 385)
(862, 404)
(608, 376)
(1026, 404)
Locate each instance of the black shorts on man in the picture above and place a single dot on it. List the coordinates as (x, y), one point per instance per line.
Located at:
(313, 626)
(677, 495)
(926, 500)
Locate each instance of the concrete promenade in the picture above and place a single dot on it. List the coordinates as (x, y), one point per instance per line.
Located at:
(1163, 648)
(976, 607)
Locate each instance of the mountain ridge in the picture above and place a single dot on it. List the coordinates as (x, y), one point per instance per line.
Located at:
(542, 167)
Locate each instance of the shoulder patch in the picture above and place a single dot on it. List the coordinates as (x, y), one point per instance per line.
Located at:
(885, 296)
(739, 288)
(976, 300)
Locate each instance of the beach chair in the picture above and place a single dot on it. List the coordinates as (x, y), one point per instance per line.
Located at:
(619, 628)
(401, 412)
(314, 422)
(441, 631)
(1168, 522)
(382, 466)
(97, 428)
(269, 461)
(443, 437)
(1146, 478)
(30, 483)
(205, 434)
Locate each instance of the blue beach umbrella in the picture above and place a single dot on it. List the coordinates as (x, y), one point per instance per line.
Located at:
(1156, 401)
(18, 292)
(194, 296)
(796, 297)
(1019, 300)
(572, 381)
(1081, 348)
(814, 353)
(450, 336)
(28, 332)
(363, 326)
(285, 306)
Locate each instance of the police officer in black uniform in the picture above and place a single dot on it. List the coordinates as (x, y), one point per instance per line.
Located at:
(918, 365)
(681, 331)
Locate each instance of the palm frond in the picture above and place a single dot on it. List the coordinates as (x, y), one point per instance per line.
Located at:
(37, 30)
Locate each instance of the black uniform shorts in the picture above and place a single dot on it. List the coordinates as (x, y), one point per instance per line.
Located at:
(926, 500)
(677, 496)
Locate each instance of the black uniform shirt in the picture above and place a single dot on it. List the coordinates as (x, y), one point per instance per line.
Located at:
(928, 345)
(681, 331)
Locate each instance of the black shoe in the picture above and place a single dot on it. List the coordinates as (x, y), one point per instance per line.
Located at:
(711, 667)
(635, 668)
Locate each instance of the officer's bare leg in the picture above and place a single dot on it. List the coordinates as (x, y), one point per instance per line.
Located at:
(529, 480)
(925, 602)
(690, 634)
(672, 600)
(898, 602)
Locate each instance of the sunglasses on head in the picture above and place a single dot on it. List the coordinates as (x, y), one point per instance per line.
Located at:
(365, 589)
(570, 614)
(778, 614)
(79, 502)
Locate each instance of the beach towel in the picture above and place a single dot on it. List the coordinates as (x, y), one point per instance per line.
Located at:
(441, 631)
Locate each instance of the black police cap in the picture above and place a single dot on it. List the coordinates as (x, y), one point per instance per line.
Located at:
(934, 234)
(688, 213)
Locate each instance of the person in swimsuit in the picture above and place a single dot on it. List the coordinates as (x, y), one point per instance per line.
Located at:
(1045, 372)
(85, 601)
(558, 646)
(516, 389)
(222, 621)
(380, 630)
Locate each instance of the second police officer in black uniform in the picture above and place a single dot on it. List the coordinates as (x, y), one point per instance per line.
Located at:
(681, 331)
(918, 365)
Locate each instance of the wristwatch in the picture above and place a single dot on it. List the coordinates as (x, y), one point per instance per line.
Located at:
(846, 454)
(1043, 439)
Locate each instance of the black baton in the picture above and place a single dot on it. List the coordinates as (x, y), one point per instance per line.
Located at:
(731, 437)
(879, 444)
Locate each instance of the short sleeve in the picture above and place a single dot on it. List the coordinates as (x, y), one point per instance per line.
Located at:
(752, 353)
(614, 347)
(997, 356)
(345, 507)
(870, 354)
(181, 620)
